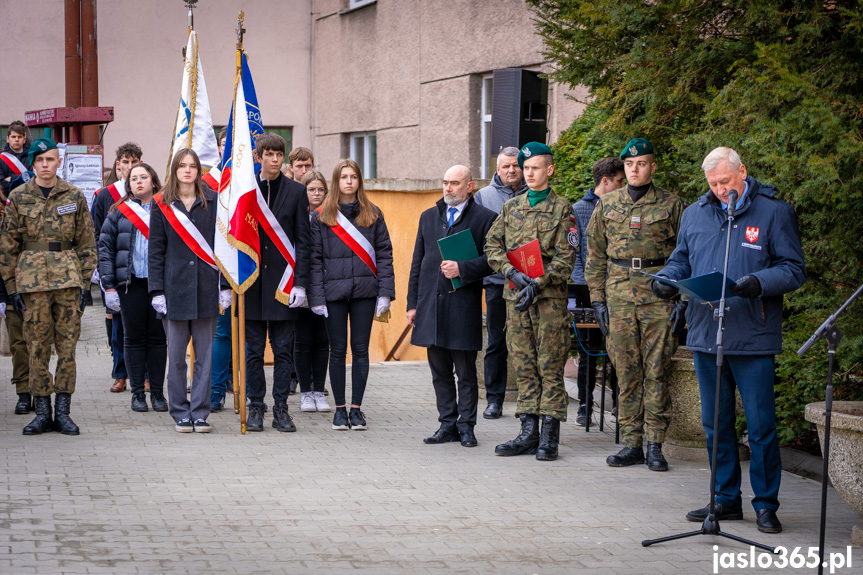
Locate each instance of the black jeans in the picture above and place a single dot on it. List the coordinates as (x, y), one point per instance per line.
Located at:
(281, 335)
(311, 350)
(495, 354)
(361, 313)
(144, 342)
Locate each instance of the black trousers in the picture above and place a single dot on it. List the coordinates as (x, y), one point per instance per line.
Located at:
(361, 313)
(281, 336)
(311, 350)
(495, 354)
(456, 406)
(144, 342)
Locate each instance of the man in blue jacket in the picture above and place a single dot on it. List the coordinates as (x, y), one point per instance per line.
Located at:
(765, 262)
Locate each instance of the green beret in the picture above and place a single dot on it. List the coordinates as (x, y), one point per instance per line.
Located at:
(636, 147)
(532, 149)
(39, 147)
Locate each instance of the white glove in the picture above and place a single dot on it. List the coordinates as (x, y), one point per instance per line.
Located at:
(95, 278)
(112, 300)
(320, 310)
(160, 304)
(3, 310)
(225, 299)
(298, 296)
(383, 305)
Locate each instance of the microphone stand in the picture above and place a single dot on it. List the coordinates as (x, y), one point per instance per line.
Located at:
(831, 333)
(711, 524)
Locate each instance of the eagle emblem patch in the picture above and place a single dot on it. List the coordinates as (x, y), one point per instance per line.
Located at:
(751, 235)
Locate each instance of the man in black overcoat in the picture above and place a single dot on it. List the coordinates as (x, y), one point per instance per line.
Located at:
(448, 321)
(269, 309)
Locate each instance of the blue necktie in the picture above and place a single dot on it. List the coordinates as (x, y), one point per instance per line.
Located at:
(451, 220)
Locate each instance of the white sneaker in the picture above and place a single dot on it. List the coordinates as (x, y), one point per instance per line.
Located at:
(307, 402)
(321, 402)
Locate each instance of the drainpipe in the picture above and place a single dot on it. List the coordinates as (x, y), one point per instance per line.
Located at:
(72, 11)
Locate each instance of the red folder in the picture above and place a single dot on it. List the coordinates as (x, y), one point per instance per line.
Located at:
(527, 259)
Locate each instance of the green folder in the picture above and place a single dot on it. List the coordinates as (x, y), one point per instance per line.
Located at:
(458, 248)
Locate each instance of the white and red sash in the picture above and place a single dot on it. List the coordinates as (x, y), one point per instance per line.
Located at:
(212, 178)
(117, 189)
(351, 236)
(273, 229)
(136, 214)
(14, 163)
(188, 232)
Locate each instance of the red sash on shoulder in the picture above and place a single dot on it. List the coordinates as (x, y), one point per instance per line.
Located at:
(267, 220)
(187, 232)
(351, 236)
(14, 163)
(116, 189)
(136, 214)
(212, 178)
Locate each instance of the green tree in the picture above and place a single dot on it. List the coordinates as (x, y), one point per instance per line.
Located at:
(780, 81)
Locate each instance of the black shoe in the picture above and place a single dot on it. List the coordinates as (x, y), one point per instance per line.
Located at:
(626, 457)
(340, 419)
(655, 459)
(294, 384)
(493, 411)
(723, 512)
(201, 426)
(158, 401)
(24, 405)
(767, 521)
(549, 439)
(442, 436)
(255, 419)
(139, 402)
(185, 425)
(526, 442)
(282, 419)
(43, 421)
(358, 419)
(62, 422)
(581, 418)
(467, 438)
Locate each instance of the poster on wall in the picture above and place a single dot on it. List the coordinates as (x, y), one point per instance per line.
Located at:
(84, 171)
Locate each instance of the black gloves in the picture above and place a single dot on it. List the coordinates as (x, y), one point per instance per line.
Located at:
(86, 299)
(661, 290)
(18, 304)
(525, 297)
(601, 316)
(520, 280)
(677, 319)
(747, 286)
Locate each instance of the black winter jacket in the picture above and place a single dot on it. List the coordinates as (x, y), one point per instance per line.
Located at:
(116, 242)
(338, 273)
(6, 171)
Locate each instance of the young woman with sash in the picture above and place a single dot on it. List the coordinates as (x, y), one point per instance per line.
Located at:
(352, 281)
(124, 266)
(185, 283)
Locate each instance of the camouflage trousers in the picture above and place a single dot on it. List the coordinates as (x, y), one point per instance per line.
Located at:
(20, 356)
(538, 345)
(52, 317)
(640, 346)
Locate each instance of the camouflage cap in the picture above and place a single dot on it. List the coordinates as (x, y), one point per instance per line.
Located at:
(532, 149)
(636, 147)
(39, 147)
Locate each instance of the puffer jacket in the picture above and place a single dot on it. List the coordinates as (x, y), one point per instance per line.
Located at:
(116, 243)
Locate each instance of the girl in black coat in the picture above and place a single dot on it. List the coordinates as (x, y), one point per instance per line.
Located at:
(123, 267)
(349, 238)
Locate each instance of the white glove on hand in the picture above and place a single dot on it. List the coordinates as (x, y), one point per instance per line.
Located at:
(298, 297)
(95, 277)
(320, 310)
(3, 310)
(112, 300)
(160, 304)
(383, 305)
(225, 299)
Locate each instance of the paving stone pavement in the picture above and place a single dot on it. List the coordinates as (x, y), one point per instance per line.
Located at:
(130, 495)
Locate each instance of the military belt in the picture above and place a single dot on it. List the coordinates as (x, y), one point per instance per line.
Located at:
(47, 246)
(638, 263)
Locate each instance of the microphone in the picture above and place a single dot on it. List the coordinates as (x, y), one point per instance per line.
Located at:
(732, 202)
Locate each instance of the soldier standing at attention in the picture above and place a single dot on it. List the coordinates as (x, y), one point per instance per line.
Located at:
(635, 229)
(47, 255)
(537, 332)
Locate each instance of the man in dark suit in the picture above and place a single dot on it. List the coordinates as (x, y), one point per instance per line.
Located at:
(269, 308)
(448, 321)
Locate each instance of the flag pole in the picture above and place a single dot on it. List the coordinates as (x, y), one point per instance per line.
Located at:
(241, 336)
(235, 358)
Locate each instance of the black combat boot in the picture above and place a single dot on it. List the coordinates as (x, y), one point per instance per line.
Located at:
(282, 418)
(549, 438)
(626, 457)
(655, 459)
(25, 404)
(255, 420)
(526, 442)
(42, 423)
(62, 422)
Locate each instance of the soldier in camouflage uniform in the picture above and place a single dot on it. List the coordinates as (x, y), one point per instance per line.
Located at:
(537, 326)
(635, 229)
(47, 255)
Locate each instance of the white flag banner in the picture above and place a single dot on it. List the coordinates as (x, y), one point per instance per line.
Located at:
(194, 123)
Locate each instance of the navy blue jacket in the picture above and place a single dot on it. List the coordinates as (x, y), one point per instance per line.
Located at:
(583, 209)
(765, 243)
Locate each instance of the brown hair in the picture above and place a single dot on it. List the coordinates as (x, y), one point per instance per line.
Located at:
(606, 168)
(18, 127)
(315, 176)
(300, 153)
(171, 191)
(129, 150)
(368, 212)
(270, 141)
(154, 177)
